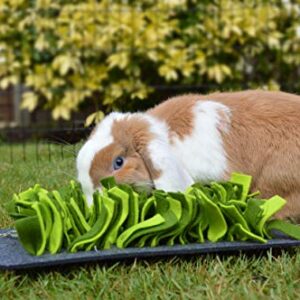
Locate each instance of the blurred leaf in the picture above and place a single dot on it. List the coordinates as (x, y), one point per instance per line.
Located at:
(95, 117)
(30, 101)
(61, 112)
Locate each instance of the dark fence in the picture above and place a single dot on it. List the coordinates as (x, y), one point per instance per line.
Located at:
(41, 143)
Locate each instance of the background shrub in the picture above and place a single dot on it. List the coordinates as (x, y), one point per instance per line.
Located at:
(112, 54)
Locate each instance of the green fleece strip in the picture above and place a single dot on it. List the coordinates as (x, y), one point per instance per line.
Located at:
(78, 217)
(289, 229)
(270, 207)
(240, 205)
(233, 215)
(69, 231)
(74, 232)
(149, 204)
(23, 203)
(191, 216)
(56, 233)
(46, 217)
(29, 195)
(233, 191)
(253, 213)
(192, 229)
(94, 209)
(80, 198)
(172, 216)
(65, 217)
(138, 230)
(185, 217)
(121, 199)
(18, 208)
(220, 192)
(23, 213)
(31, 231)
(61, 204)
(243, 234)
(30, 234)
(48, 221)
(244, 181)
(217, 226)
(168, 208)
(108, 183)
(97, 231)
(133, 209)
(11, 206)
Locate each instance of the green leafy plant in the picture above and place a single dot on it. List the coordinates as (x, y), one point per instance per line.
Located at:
(109, 54)
(51, 221)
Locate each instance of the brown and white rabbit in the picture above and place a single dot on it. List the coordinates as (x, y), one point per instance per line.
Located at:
(201, 138)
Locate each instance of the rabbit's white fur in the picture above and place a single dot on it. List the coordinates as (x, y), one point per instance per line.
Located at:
(174, 175)
(202, 153)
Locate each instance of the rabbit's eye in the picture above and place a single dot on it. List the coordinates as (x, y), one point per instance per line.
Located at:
(118, 162)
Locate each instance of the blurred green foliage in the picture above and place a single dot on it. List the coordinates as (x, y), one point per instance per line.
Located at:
(109, 54)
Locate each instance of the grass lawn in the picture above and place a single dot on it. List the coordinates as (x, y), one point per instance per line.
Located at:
(206, 277)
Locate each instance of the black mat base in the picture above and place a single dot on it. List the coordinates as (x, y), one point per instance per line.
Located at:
(14, 257)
